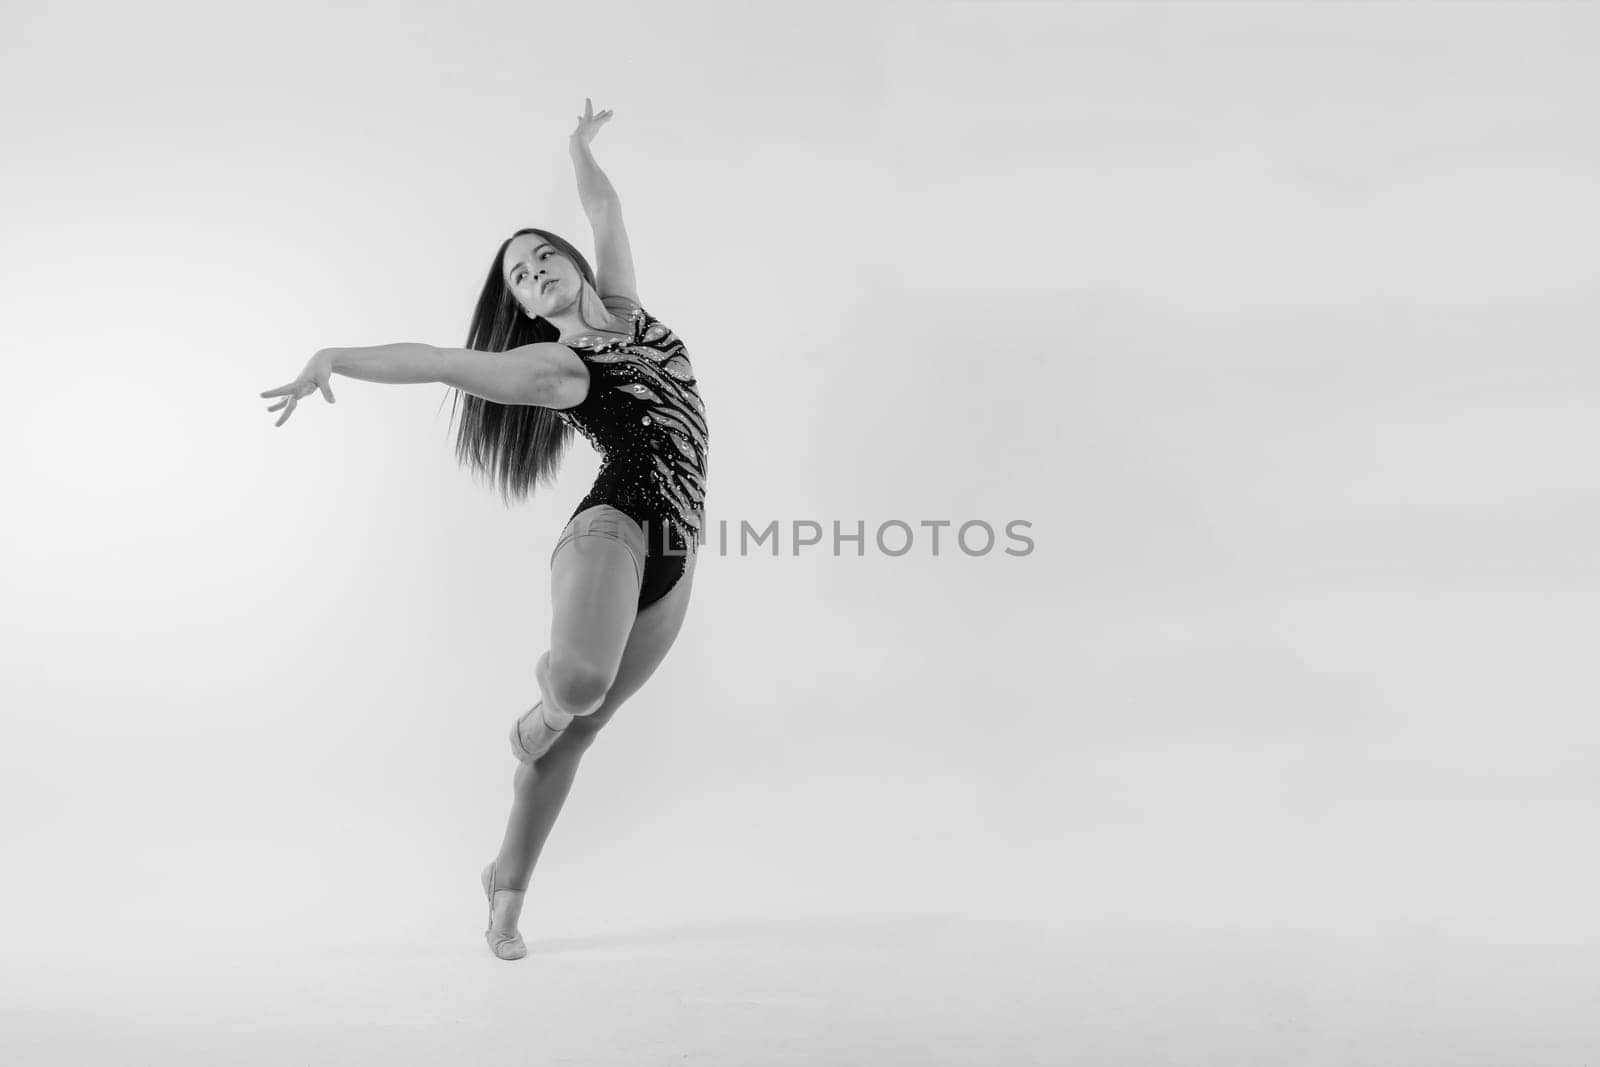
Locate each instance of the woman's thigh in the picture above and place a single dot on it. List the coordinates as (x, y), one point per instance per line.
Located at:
(595, 571)
(651, 637)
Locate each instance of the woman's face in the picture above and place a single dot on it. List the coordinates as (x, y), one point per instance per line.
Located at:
(542, 279)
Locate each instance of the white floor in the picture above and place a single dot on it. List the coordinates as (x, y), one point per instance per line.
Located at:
(819, 990)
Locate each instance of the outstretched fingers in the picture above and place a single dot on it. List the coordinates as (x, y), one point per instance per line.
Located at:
(293, 393)
(288, 410)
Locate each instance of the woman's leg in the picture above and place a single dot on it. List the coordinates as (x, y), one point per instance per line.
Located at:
(540, 788)
(538, 791)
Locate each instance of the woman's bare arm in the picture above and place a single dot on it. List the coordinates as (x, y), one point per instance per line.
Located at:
(545, 374)
(542, 374)
(595, 191)
(613, 266)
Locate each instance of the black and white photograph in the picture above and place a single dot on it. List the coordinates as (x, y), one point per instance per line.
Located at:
(976, 532)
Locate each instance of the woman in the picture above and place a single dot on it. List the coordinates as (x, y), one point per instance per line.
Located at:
(547, 353)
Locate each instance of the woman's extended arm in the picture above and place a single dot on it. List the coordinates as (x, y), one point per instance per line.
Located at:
(542, 374)
(536, 374)
(613, 257)
(399, 364)
(595, 191)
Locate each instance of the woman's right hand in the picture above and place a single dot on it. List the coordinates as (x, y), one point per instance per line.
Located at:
(316, 376)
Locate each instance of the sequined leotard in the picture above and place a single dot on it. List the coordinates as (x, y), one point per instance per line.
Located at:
(643, 414)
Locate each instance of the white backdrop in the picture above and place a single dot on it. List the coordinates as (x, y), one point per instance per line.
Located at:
(1275, 321)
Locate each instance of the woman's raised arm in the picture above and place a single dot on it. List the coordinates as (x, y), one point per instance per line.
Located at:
(613, 258)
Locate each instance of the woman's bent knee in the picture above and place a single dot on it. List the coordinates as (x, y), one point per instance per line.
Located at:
(576, 688)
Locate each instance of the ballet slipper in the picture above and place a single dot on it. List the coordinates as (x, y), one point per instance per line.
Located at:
(532, 735)
(505, 946)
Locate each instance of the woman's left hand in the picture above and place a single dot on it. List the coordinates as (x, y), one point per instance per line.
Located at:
(316, 376)
(589, 123)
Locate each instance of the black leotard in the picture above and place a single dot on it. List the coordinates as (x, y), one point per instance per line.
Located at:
(643, 414)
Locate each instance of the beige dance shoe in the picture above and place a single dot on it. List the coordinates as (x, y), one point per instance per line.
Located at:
(506, 947)
(532, 735)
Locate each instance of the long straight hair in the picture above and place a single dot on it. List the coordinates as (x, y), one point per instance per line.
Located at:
(517, 447)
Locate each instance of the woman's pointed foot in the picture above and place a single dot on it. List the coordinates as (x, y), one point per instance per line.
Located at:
(505, 942)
